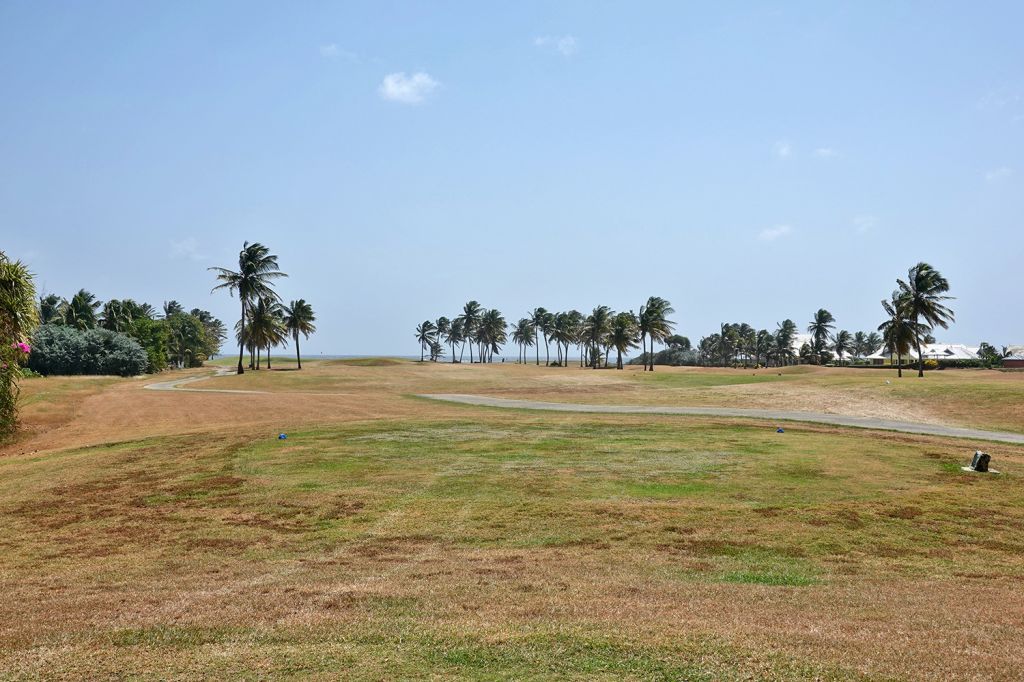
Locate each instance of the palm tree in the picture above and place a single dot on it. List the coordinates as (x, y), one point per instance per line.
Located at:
(299, 319)
(444, 327)
(923, 293)
(470, 319)
(898, 332)
(820, 328)
(653, 322)
(595, 331)
(539, 319)
(454, 335)
(49, 309)
(872, 343)
(18, 316)
(257, 269)
(116, 315)
(80, 311)
(426, 333)
(623, 335)
(172, 308)
(523, 336)
(491, 334)
(784, 336)
(842, 343)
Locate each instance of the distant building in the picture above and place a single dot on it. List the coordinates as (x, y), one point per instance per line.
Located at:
(1014, 358)
(930, 351)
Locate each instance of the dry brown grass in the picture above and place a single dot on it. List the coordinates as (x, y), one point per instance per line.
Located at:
(170, 535)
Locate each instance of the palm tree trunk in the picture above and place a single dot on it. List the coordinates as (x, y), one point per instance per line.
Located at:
(920, 358)
(536, 343)
(268, 356)
(643, 348)
(547, 351)
(298, 356)
(241, 341)
(899, 364)
(618, 358)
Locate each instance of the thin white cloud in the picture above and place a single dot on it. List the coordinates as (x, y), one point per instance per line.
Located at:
(566, 45)
(864, 223)
(825, 152)
(783, 149)
(414, 89)
(332, 51)
(770, 234)
(186, 248)
(997, 174)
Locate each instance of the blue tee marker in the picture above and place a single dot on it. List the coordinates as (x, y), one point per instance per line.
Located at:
(779, 430)
(282, 436)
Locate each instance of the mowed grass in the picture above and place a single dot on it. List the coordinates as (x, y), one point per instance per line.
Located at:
(510, 545)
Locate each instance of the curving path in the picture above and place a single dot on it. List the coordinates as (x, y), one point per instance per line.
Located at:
(176, 384)
(782, 415)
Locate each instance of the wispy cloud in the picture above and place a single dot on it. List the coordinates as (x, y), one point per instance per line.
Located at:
(864, 223)
(770, 234)
(566, 45)
(186, 248)
(997, 174)
(783, 149)
(414, 89)
(825, 152)
(332, 51)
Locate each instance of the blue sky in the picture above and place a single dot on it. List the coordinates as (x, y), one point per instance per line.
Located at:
(749, 163)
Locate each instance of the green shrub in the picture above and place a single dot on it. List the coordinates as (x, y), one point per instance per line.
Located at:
(66, 350)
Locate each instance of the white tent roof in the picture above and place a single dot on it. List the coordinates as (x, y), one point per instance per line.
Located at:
(936, 351)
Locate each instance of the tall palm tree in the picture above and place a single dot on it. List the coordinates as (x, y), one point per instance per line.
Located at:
(454, 335)
(842, 342)
(923, 293)
(299, 319)
(470, 320)
(623, 335)
(426, 334)
(653, 322)
(540, 319)
(872, 343)
(899, 331)
(492, 334)
(257, 270)
(172, 308)
(444, 328)
(819, 329)
(595, 331)
(523, 336)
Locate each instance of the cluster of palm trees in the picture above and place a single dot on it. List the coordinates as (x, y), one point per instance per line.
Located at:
(914, 309)
(265, 322)
(595, 335)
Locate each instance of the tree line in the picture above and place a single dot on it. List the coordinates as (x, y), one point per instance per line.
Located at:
(914, 310)
(594, 335)
(264, 322)
(169, 336)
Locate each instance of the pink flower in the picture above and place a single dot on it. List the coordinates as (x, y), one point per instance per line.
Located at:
(24, 347)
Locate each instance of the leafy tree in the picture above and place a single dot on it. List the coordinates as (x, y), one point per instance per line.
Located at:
(152, 336)
(186, 340)
(988, 354)
(455, 336)
(58, 349)
(172, 308)
(595, 330)
(257, 270)
(491, 334)
(299, 319)
(216, 332)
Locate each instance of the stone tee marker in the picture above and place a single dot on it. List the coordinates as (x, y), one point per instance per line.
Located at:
(979, 464)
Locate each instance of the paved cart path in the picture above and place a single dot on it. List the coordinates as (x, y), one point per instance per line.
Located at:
(777, 415)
